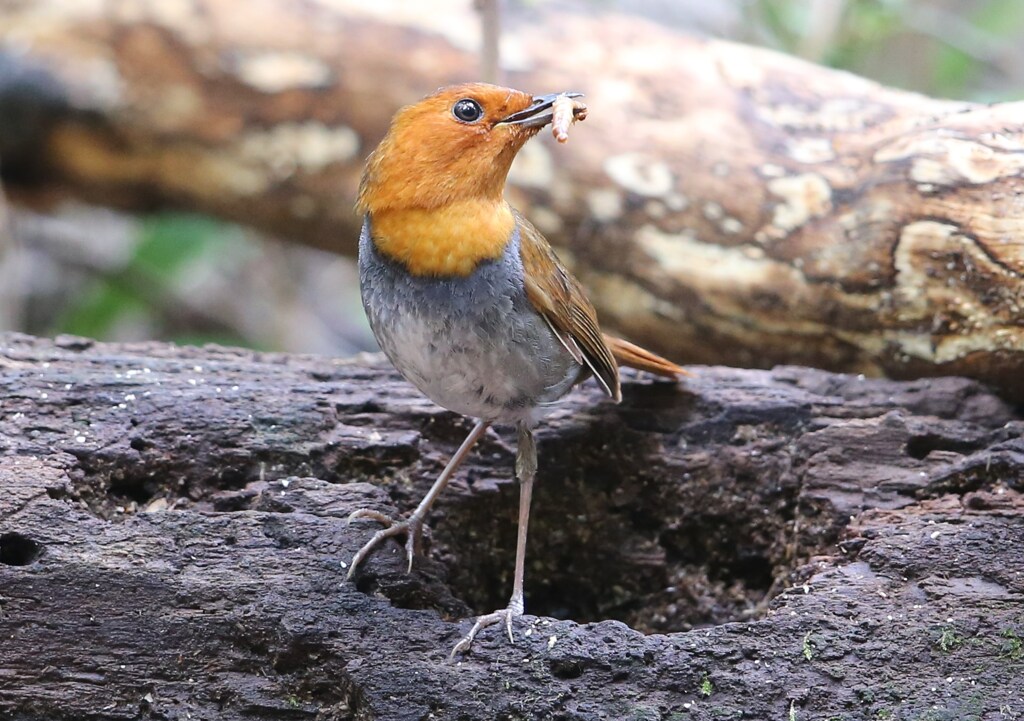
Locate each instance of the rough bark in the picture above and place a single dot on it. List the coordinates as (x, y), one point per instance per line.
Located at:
(723, 204)
(806, 545)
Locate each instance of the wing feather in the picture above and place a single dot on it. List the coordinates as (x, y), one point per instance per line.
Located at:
(560, 299)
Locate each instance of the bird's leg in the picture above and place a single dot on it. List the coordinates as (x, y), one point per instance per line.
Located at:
(526, 469)
(413, 525)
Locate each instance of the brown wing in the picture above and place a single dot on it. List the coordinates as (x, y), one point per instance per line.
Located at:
(560, 299)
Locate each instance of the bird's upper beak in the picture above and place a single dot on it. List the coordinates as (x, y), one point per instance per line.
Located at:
(539, 112)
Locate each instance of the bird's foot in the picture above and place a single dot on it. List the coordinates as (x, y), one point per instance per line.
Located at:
(411, 527)
(513, 610)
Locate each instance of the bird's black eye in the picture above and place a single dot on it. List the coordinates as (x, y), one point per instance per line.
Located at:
(467, 110)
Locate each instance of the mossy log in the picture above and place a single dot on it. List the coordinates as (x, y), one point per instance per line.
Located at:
(795, 544)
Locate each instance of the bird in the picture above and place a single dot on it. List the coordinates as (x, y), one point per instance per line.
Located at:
(467, 299)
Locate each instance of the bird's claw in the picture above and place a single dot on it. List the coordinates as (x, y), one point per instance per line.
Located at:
(505, 614)
(412, 527)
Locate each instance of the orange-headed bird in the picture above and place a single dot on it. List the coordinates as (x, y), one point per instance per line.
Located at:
(466, 297)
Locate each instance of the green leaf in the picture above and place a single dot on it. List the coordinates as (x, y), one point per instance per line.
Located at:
(171, 240)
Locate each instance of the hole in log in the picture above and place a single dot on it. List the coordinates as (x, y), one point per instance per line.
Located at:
(18, 550)
(920, 446)
(614, 535)
(566, 668)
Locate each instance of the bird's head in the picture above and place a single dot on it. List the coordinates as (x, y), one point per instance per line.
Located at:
(454, 145)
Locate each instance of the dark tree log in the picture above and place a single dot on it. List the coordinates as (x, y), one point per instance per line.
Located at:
(172, 539)
(723, 204)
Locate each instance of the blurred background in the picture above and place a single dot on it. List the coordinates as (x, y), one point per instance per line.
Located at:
(188, 278)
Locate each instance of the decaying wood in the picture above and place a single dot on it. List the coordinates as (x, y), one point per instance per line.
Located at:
(724, 204)
(807, 545)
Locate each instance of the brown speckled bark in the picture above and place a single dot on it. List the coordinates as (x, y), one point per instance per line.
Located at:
(723, 204)
(172, 533)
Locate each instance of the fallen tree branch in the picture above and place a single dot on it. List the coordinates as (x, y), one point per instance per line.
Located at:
(173, 534)
(723, 204)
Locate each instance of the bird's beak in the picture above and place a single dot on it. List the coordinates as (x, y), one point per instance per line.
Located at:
(539, 112)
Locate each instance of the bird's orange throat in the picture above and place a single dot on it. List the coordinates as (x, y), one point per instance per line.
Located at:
(450, 240)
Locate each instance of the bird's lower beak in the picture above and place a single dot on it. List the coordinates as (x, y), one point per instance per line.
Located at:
(539, 112)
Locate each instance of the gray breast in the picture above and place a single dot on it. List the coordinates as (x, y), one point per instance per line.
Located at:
(474, 345)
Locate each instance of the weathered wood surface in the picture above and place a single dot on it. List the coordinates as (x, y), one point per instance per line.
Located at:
(723, 204)
(172, 532)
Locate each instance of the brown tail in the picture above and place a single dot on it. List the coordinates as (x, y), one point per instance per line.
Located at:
(634, 356)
